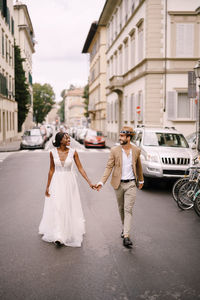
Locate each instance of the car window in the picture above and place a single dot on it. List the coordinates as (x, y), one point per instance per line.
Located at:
(165, 139)
(32, 132)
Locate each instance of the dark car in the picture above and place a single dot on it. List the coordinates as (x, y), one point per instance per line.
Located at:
(94, 138)
(32, 139)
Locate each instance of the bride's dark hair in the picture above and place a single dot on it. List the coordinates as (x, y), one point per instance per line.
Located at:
(58, 138)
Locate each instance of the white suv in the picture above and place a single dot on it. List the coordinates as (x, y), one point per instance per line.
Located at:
(164, 152)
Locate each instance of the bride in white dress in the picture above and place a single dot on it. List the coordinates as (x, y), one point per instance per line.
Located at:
(63, 221)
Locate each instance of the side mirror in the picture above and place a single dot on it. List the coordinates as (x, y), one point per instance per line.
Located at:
(193, 146)
(137, 143)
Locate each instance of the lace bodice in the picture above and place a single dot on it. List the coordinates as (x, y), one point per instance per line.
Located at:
(67, 166)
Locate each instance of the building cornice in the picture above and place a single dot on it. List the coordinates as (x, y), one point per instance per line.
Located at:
(90, 36)
(185, 13)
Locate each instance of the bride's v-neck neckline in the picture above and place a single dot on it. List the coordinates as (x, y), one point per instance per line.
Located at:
(62, 164)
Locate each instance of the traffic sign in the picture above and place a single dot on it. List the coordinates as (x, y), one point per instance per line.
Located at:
(138, 109)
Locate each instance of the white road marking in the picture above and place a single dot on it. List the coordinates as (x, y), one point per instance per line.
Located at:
(4, 155)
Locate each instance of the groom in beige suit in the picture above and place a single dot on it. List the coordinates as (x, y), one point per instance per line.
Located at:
(127, 174)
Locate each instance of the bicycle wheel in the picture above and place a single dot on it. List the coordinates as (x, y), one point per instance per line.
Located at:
(177, 185)
(186, 194)
(197, 205)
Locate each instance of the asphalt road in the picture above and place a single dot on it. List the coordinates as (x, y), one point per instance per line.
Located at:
(164, 262)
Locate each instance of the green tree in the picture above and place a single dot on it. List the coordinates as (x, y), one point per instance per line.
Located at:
(61, 110)
(86, 101)
(43, 101)
(22, 95)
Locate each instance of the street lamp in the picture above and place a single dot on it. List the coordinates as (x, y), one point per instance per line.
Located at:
(197, 75)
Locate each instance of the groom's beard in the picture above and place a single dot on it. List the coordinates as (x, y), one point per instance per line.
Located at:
(123, 142)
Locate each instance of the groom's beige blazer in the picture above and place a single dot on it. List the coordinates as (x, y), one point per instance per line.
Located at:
(115, 163)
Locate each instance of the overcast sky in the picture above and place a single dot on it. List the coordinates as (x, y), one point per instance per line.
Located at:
(61, 28)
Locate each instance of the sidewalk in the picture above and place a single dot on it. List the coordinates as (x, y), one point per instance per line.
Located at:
(10, 146)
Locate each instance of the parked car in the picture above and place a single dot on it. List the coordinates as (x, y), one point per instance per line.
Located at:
(94, 138)
(49, 129)
(165, 152)
(43, 131)
(32, 139)
(82, 135)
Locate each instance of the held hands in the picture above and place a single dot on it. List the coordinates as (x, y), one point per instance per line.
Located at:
(96, 187)
(93, 186)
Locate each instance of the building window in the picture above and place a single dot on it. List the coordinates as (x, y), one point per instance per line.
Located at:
(111, 67)
(13, 119)
(133, 6)
(7, 49)
(116, 63)
(126, 56)
(140, 41)
(10, 120)
(116, 23)
(7, 121)
(2, 44)
(12, 26)
(120, 17)
(132, 108)
(126, 10)
(139, 107)
(180, 107)
(184, 40)
(126, 108)
(116, 110)
(120, 61)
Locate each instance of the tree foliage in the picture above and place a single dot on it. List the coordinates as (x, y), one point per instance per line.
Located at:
(86, 101)
(22, 95)
(43, 101)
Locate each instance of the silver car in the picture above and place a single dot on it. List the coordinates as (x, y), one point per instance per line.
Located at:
(165, 153)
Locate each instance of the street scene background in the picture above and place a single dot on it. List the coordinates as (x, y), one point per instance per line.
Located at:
(163, 263)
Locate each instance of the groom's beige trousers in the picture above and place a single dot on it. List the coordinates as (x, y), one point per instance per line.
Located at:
(126, 194)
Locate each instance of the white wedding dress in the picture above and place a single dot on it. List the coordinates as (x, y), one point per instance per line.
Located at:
(63, 218)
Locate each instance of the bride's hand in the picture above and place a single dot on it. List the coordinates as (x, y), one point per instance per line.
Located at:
(47, 192)
(93, 186)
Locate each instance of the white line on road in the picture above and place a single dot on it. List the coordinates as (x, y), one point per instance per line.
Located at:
(4, 155)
